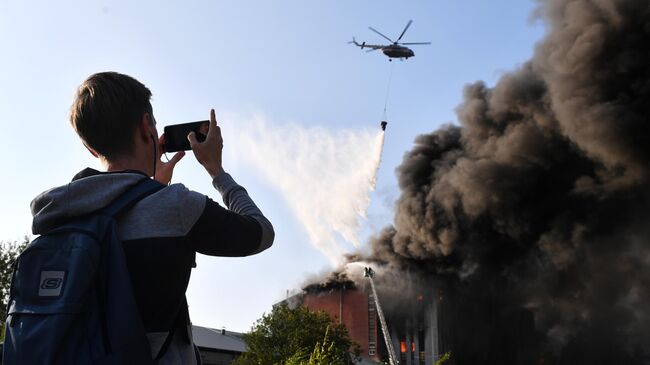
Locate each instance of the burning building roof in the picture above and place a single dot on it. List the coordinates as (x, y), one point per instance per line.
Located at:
(334, 281)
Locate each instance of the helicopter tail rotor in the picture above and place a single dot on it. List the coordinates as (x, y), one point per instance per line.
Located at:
(354, 41)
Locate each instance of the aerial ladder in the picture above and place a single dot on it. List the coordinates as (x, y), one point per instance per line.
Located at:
(392, 358)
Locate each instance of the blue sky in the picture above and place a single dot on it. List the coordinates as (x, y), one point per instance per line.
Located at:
(288, 61)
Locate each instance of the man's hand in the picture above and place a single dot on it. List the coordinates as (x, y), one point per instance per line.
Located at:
(208, 152)
(165, 170)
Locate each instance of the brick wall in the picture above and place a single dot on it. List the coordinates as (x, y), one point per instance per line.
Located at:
(351, 307)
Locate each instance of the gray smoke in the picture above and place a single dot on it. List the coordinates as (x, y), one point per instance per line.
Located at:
(541, 195)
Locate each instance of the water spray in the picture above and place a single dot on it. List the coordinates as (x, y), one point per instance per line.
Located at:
(392, 358)
(325, 175)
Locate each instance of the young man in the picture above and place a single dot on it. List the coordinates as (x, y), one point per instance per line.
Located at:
(113, 116)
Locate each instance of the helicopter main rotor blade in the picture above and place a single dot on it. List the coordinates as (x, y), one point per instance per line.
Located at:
(404, 31)
(410, 44)
(371, 50)
(376, 31)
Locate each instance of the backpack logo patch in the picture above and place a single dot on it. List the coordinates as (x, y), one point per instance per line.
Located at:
(51, 283)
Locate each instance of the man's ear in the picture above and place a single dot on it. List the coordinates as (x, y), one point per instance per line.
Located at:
(92, 152)
(144, 128)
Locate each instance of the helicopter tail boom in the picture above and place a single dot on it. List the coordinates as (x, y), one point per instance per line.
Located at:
(363, 45)
(354, 41)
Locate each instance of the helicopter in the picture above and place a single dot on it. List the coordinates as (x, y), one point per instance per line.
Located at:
(394, 50)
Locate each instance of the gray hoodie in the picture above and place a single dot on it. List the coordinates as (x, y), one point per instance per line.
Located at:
(161, 236)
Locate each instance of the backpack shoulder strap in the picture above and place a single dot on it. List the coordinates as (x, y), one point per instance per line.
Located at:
(141, 190)
(170, 335)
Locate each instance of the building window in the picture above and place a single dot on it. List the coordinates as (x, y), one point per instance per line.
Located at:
(421, 348)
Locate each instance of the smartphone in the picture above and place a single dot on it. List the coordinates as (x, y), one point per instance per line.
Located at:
(176, 135)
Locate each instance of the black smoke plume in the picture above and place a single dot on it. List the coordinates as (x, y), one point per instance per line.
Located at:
(334, 281)
(536, 209)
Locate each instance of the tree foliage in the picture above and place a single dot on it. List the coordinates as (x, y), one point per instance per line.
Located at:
(324, 353)
(9, 251)
(289, 336)
(444, 359)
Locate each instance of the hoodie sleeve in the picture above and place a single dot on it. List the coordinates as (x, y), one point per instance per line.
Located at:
(240, 230)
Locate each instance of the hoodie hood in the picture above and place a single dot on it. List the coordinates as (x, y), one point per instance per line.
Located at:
(90, 190)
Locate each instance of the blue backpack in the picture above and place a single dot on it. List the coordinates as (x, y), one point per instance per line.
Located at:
(71, 300)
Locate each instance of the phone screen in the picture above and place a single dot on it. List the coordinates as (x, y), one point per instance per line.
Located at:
(176, 135)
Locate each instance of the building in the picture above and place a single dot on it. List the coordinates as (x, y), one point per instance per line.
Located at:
(218, 346)
(414, 338)
(477, 321)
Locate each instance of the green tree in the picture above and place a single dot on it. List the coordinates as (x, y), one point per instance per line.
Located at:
(9, 251)
(298, 336)
(444, 359)
(324, 353)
